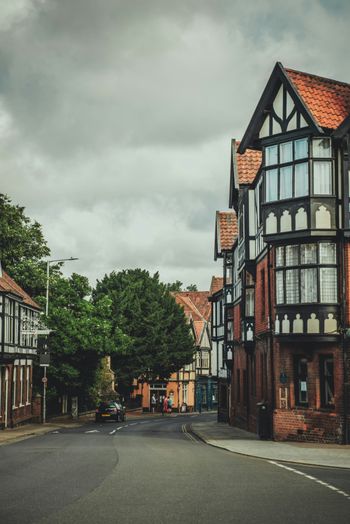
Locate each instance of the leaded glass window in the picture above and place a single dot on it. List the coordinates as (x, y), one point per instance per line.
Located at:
(308, 285)
(292, 286)
(328, 284)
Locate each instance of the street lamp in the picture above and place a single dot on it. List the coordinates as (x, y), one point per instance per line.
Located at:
(44, 379)
(48, 262)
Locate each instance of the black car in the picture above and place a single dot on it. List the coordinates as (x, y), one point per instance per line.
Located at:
(110, 410)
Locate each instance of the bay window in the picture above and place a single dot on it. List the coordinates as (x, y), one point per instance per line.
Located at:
(322, 177)
(288, 176)
(306, 274)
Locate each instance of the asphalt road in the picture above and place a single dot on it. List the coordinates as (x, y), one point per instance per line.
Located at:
(155, 471)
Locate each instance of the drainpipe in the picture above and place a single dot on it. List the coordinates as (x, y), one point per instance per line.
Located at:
(270, 337)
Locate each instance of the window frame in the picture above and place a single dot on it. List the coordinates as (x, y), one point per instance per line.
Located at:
(282, 268)
(323, 359)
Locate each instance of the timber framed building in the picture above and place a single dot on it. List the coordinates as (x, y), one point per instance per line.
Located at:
(19, 318)
(290, 262)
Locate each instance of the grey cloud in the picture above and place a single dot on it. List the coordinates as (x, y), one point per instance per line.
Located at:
(116, 117)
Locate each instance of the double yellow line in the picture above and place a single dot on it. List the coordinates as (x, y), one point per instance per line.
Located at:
(188, 435)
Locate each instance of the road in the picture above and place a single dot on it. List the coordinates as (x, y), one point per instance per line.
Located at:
(153, 470)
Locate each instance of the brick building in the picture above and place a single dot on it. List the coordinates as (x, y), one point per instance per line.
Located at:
(290, 262)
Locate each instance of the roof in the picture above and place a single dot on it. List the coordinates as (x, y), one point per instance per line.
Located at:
(248, 164)
(8, 285)
(195, 304)
(226, 230)
(327, 100)
(217, 283)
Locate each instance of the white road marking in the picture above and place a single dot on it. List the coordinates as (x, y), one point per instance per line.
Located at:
(133, 424)
(145, 422)
(54, 432)
(120, 427)
(112, 432)
(310, 477)
(93, 431)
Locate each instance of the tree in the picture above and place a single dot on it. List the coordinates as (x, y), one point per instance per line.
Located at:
(159, 336)
(82, 335)
(22, 247)
(192, 287)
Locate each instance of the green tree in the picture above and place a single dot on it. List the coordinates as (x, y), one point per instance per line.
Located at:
(192, 287)
(82, 335)
(159, 338)
(22, 247)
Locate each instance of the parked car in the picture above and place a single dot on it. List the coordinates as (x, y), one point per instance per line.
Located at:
(110, 410)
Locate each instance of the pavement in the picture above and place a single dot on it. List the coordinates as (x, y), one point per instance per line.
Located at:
(236, 440)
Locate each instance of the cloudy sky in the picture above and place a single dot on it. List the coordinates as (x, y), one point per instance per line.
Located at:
(116, 117)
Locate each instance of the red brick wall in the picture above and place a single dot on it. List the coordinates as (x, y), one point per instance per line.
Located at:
(313, 423)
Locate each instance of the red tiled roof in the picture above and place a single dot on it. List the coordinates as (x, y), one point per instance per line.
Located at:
(247, 164)
(198, 326)
(327, 100)
(228, 229)
(8, 285)
(217, 283)
(195, 304)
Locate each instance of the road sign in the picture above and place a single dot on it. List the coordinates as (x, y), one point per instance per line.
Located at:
(44, 380)
(44, 359)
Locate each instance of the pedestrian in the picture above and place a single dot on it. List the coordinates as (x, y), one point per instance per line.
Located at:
(153, 403)
(170, 404)
(161, 404)
(165, 405)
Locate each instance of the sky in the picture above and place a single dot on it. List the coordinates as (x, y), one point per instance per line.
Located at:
(116, 117)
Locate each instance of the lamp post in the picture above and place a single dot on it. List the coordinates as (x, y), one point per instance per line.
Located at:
(44, 379)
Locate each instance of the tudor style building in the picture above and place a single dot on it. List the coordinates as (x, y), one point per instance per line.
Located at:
(19, 317)
(291, 264)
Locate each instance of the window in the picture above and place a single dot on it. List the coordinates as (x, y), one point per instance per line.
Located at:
(328, 284)
(321, 148)
(306, 274)
(279, 287)
(249, 302)
(21, 386)
(327, 381)
(292, 286)
(300, 381)
(301, 149)
(301, 179)
(322, 177)
(28, 385)
(271, 155)
(14, 387)
(271, 185)
(308, 285)
(291, 179)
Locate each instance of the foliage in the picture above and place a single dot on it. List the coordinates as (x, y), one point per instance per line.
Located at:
(178, 286)
(159, 339)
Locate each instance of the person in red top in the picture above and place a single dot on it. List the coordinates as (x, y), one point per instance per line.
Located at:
(165, 405)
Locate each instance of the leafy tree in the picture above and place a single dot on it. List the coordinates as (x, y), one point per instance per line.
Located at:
(82, 335)
(159, 339)
(192, 287)
(174, 287)
(22, 247)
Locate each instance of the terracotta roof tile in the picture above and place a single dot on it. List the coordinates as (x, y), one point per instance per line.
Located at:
(327, 100)
(228, 229)
(217, 283)
(8, 285)
(198, 326)
(195, 303)
(247, 164)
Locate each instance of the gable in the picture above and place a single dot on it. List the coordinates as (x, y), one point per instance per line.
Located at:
(280, 110)
(283, 115)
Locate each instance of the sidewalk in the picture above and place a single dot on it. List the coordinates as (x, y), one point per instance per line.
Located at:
(242, 442)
